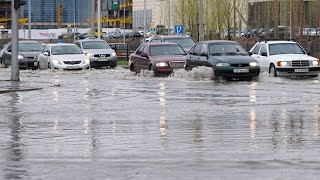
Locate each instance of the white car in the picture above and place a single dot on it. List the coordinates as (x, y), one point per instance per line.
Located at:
(285, 58)
(63, 57)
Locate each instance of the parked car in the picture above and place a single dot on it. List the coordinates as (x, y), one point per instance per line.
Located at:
(227, 58)
(63, 57)
(185, 41)
(161, 58)
(99, 52)
(28, 52)
(285, 58)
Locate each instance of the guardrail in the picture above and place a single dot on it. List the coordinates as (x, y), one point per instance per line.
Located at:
(123, 50)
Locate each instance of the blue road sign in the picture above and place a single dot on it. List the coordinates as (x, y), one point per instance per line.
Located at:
(59, 41)
(153, 30)
(179, 29)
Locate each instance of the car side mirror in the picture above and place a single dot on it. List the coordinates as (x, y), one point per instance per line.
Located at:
(9, 50)
(46, 53)
(250, 53)
(264, 54)
(204, 54)
(144, 55)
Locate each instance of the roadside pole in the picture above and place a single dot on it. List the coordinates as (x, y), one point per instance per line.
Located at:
(99, 19)
(169, 16)
(29, 19)
(124, 22)
(93, 5)
(201, 33)
(144, 20)
(74, 21)
(14, 46)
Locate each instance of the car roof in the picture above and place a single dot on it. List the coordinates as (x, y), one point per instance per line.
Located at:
(90, 40)
(173, 36)
(29, 41)
(160, 43)
(278, 42)
(219, 41)
(62, 44)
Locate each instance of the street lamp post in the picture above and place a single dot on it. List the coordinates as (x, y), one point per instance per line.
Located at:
(93, 4)
(144, 20)
(169, 16)
(201, 33)
(124, 22)
(99, 17)
(29, 19)
(74, 20)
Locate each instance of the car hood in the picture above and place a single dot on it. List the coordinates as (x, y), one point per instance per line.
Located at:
(69, 57)
(170, 58)
(292, 57)
(30, 54)
(232, 59)
(99, 51)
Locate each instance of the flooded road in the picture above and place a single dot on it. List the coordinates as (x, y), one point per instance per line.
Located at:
(112, 124)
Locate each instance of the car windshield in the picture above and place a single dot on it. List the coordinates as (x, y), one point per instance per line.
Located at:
(158, 50)
(183, 42)
(95, 45)
(66, 49)
(226, 50)
(285, 48)
(29, 47)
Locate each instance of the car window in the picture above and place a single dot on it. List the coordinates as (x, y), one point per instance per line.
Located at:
(204, 49)
(263, 49)
(229, 49)
(29, 47)
(46, 49)
(145, 50)
(285, 48)
(171, 49)
(95, 45)
(197, 49)
(183, 42)
(155, 40)
(78, 44)
(191, 50)
(66, 49)
(256, 49)
(140, 49)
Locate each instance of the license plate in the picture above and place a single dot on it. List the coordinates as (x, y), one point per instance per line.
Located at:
(301, 70)
(177, 65)
(241, 70)
(72, 67)
(35, 63)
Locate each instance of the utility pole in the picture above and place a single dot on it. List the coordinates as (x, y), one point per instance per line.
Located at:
(169, 16)
(99, 18)
(124, 22)
(93, 5)
(275, 19)
(14, 42)
(291, 21)
(144, 20)
(74, 20)
(318, 13)
(29, 19)
(201, 33)
(234, 20)
(301, 18)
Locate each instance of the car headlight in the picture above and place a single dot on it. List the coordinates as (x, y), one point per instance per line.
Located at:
(20, 57)
(55, 61)
(223, 64)
(162, 64)
(254, 64)
(113, 54)
(88, 54)
(314, 63)
(284, 63)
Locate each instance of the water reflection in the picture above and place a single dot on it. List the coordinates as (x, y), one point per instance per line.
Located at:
(316, 122)
(253, 126)
(287, 129)
(252, 96)
(14, 167)
(197, 126)
(163, 122)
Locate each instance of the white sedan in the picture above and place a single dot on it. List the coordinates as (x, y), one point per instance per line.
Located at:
(63, 57)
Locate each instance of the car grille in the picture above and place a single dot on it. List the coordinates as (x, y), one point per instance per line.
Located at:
(300, 63)
(176, 64)
(239, 65)
(101, 55)
(72, 62)
(33, 57)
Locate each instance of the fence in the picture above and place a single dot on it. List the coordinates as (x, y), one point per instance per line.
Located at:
(123, 50)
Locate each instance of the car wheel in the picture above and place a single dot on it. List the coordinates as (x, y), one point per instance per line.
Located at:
(132, 67)
(186, 67)
(273, 71)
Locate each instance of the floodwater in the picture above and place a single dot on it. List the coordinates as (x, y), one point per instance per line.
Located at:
(113, 124)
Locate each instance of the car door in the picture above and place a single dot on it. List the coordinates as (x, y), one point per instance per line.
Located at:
(263, 59)
(195, 58)
(137, 59)
(203, 56)
(145, 61)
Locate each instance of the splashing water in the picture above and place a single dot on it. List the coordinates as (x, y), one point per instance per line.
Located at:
(196, 74)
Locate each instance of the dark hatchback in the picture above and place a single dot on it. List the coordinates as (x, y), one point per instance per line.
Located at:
(161, 58)
(28, 54)
(227, 58)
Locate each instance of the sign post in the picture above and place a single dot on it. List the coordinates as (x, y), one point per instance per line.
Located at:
(179, 29)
